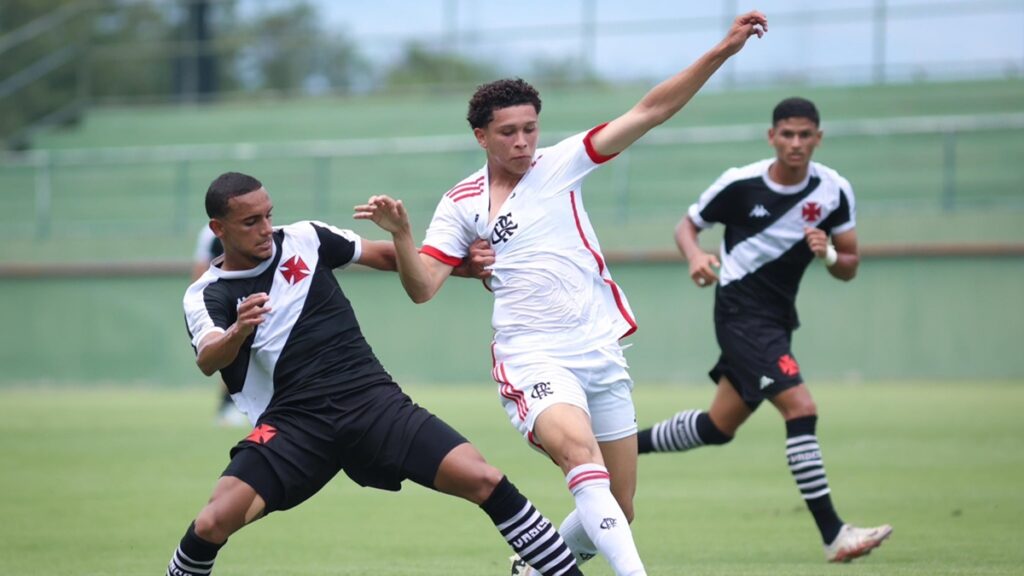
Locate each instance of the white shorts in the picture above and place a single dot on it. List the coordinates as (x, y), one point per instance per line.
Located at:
(598, 382)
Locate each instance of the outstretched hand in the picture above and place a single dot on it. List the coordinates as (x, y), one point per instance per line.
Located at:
(743, 27)
(385, 212)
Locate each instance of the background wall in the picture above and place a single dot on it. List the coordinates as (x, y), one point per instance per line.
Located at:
(919, 319)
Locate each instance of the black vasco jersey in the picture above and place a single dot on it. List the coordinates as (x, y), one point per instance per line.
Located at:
(309, 343)
(764, 253)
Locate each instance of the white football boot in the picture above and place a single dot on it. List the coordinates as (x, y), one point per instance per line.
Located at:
(853, 542)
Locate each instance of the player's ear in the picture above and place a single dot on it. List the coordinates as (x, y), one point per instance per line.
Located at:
(217, 226)
(480, 137)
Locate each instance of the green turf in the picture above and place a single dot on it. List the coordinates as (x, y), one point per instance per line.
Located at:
(104, 481)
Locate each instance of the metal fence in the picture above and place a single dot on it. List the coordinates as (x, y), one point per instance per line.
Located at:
(46, 197)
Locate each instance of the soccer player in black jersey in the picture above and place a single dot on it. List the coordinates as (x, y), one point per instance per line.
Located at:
(207, 248)
(780, 215)
(271, 317)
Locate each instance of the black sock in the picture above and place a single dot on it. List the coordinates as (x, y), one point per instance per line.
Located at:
(194, 555)
(523, 527)
(808, 469)
(687, 429)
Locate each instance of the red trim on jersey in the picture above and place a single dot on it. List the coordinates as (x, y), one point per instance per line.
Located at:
(588, 476)
(596, 156)
(616, 293)
(465, 187)
(438, 255)
(468, 195)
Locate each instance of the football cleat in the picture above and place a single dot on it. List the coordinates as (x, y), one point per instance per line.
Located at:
(521, 568)
(853, 542)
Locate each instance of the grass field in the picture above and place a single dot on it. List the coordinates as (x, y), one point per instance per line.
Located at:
(104, 481)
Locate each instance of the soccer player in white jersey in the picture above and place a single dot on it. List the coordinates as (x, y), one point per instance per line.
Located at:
(271, 317)
(780, 215)
(558, 315)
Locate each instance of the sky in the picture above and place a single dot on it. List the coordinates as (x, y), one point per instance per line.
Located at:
(833, 42)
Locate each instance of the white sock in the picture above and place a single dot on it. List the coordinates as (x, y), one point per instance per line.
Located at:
(576, 538)
(603, 519)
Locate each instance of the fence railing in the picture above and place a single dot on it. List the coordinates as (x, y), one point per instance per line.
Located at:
(44, 167)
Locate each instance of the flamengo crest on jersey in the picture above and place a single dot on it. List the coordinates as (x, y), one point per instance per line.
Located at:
(285, 356)
(551, 286)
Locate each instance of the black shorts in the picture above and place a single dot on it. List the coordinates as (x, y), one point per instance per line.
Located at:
(378, 436)
(756, 357)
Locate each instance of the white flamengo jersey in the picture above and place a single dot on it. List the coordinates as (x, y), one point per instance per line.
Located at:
(552, 289)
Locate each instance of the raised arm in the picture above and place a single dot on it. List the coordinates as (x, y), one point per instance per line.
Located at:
(668, 97)
(421, 275)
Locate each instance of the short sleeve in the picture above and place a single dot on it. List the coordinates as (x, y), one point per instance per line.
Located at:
(338, 247)
(712, 207)
(205, 313)
(448, 237)
(843, 218)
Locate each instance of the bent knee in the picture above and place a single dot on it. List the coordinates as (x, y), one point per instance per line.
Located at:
(800, 409)
(215, 527)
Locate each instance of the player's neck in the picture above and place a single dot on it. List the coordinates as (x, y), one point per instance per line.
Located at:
(787, 175)
(236, 262)
(502, 180)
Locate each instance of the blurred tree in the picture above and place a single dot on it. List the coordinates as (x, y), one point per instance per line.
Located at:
(290, 54)
(421, 67)
(40, 46)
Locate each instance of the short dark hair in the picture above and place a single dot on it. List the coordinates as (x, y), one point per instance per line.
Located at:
(497, 95)
(224, 188)
(795, 108)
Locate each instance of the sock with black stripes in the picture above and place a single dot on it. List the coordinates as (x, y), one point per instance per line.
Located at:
(528, 532)
(808, 469)
(687, 429)
(603, 519)
(194, 556)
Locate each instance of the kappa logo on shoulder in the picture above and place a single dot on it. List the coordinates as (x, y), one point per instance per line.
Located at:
(759, 211)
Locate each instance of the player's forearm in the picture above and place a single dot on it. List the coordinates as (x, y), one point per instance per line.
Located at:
(667, 98)
(219, 350)
(686, 239)
(416, 277)
(845, 268)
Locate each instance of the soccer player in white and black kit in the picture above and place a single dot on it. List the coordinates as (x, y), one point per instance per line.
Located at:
(558, 315)
(271, 317)
(208, 247)
(780, 215)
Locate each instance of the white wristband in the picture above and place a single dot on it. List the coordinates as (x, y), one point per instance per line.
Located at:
(830, 256)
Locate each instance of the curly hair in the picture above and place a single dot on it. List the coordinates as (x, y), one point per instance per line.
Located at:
(497, 95)
(224, 188)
